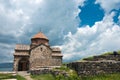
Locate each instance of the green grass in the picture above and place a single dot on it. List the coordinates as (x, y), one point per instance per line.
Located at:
(6, 76)
(72, 75)
(51, 77)
(115, 76)
(43, 77)
(88, 58)
(18, 77)
(107, 53)
(10, 76)
(104, 54)
(62, 68)
(118, 52)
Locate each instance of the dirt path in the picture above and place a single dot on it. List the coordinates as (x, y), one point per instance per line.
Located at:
(25, 75)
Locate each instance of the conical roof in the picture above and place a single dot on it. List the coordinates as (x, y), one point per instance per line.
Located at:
(40, 35)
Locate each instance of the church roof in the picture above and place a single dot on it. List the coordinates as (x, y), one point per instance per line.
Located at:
(60, 55)
(22, 53)
(55, 49)
(22, 47)
(39, 35)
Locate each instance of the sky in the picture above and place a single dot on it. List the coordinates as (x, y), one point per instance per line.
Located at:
(81, 28)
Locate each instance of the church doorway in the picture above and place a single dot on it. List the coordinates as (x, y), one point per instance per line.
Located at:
(23, 64)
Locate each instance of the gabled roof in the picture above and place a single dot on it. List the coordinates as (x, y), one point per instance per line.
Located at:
(55, 49)
(22, 47)
(22, 53)
(40, 35)
(40, 45)
(60, 55)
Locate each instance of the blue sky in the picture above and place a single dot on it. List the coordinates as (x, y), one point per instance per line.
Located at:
(81, 28)
(90, 13)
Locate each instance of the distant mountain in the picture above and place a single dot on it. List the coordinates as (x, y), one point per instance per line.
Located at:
(6, 65)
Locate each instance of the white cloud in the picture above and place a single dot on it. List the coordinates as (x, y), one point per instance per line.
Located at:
(109, 5)
(119, 19)
(21, 19)
(25, 16)
(88, 41)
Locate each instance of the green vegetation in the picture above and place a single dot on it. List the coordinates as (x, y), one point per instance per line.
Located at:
(51, 77)
(70, 75)
(62, 68)
(18, 77)
(43, 77)
(104, 54)
(10, 76)
(88, 58)
(115, 76)
(107, 53)
(6, 76)
(118, 52)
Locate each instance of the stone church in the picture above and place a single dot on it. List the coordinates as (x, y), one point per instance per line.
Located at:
(39, 54)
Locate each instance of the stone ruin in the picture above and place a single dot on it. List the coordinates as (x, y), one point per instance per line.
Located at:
(109, 63)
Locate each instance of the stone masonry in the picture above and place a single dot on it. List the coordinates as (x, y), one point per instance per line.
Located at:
(37, 55)
(99, 64)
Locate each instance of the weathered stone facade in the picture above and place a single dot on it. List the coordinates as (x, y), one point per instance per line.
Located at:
(37, 55)
(97, 65)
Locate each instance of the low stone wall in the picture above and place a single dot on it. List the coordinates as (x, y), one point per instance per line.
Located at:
(48, 71)
(95, 67)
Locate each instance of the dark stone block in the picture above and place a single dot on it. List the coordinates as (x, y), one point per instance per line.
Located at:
(96, 67)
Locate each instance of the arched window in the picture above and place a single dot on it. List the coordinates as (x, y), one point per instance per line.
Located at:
(41, 49)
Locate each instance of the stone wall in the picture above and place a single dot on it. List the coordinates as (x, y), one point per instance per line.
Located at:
(95, 67)
(56, 61)
(40, 57)
(48, 71)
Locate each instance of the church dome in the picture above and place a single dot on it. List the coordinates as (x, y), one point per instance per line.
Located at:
(39, 35)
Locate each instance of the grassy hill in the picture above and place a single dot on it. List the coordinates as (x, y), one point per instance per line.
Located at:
(104, 54)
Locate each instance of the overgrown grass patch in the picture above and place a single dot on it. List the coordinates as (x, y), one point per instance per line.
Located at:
(18, 77)
(114, 76)
(70, 75)
(10, 76)
(51, 77)
(43, 77)
(88, 58)
(107, 53)
(62, 68)
(7, 76)
(104, 54)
